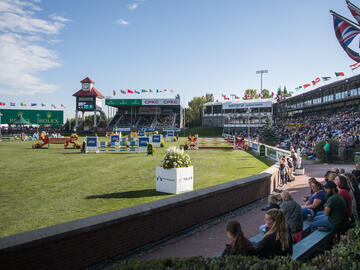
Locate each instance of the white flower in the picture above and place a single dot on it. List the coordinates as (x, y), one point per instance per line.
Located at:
(175, 163)
(167, 161)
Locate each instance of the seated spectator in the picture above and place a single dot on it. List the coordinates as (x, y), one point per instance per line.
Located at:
(316, 200)
(341, 171)
(273, 203)
(335, 210)
(356, 172)
(353, 183)
(277, 241)
(310, 181)
(344, 189)
(240, 245)
(292, 212)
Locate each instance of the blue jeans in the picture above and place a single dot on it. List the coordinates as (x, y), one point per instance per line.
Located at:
(321, 221)
(306, 212)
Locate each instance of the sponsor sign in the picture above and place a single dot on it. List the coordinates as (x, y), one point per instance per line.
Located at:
(92, 144)
(156, 140)
(124, 102)
(46, 117)
(230, 105)
(161, 102)
(141, 133)
(114, 139)
(143, 142)
(175, 180)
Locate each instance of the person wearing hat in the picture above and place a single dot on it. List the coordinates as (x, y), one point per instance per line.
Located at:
(334, 216)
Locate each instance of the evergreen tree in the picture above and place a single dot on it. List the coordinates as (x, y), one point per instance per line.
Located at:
(268, 135)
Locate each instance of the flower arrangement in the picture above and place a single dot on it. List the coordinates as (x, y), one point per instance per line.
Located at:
(175, 158)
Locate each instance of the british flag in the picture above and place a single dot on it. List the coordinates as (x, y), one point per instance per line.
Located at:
(355, 11)
(345, 33)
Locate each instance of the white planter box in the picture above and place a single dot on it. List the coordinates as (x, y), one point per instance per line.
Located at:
(175, 180)
(300, 171)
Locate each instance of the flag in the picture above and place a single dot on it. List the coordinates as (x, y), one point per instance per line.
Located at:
(43, 105)
(236, 97)
(123, 92)
(157, 90)
(143, 91)
(2, 104)
(33, 104)
(355, 11)
(298, 88)
(137, 92)
(316, 81)
(130, 91)
(52, 105)
(272, 94)
(171, 91)
(345, 33)
(223, 95)
(12, 104)
(326, 78)
(355, 66)
(306, 85)
(227, 98)
(25, 104)
(150, 90)
(165, 90)
(114, 93)
(62, 105)
(339, 74)
(203, 97)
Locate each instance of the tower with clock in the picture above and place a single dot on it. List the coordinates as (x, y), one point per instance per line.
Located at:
(88, 99)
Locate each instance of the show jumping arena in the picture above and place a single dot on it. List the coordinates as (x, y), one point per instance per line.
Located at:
(214, 143)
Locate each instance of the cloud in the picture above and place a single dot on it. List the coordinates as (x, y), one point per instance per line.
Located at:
(133, 6)
(23, 52)
(121, 22)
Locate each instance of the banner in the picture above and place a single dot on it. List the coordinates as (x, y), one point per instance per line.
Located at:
(230, 105)
(161, 101)
(34, 117)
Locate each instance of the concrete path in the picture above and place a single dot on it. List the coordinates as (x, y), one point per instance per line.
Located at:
(211, 241)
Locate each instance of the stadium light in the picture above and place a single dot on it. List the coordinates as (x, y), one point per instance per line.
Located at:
(248, 111)
(37, 121)
(261, 72)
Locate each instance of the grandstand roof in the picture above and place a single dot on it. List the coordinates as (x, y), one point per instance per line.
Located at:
(92, 93)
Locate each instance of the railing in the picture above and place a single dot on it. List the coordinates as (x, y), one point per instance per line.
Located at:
(271, 152)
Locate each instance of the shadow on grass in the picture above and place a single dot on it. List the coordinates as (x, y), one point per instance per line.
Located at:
(129, 194)
(263, 159)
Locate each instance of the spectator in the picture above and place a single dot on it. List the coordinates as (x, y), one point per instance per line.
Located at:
(326, 151)
(342, 171)
(310, 181)
(273, 203)
(356, 172)
(283, 171)
(292, 212)
(343, 187)
(334, 216)
(277, 241)
(316, 200)
(294, 158)
(240, 245)
(355, 189)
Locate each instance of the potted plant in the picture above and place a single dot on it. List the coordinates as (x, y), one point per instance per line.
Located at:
(175, 175)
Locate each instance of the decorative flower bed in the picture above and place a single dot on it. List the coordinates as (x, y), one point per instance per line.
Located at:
(175, 158)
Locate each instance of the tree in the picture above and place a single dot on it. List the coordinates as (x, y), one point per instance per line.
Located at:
(268, 135)
(193, 114)
(250, 94)
(266, 93)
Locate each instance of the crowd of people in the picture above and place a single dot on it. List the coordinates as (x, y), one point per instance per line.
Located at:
(306, 131)
(334, 205)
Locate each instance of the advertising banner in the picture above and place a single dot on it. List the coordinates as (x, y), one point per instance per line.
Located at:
(114, 139)
(119, 102)
(156, 140)
(45, 117)
(230, 105)
(149, 102)
(91, 144)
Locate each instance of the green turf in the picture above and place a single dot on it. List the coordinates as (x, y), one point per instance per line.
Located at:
(42, 187)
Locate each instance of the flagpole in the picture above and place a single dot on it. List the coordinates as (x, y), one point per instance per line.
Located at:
(355, 25)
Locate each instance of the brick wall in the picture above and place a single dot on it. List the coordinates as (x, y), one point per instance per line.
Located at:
(84, 242)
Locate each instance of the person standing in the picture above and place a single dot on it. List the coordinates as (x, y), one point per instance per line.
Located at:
(326, 151)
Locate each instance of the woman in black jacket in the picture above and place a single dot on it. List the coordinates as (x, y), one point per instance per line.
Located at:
(277, 241)
(240, 245)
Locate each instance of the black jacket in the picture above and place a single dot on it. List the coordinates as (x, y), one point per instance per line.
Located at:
(269, 247)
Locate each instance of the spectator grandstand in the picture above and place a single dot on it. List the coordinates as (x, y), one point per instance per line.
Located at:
(146, 113)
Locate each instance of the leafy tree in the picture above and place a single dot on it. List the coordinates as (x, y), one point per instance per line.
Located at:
(193, 114)
(250, 92)
(268, 135)
(266, 93)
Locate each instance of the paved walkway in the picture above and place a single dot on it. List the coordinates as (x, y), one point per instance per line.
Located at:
(211, 241)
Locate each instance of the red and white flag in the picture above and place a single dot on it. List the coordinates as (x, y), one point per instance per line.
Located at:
(316, 81)
(355, 66)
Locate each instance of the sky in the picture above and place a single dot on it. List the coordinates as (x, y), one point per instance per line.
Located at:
(193, 47)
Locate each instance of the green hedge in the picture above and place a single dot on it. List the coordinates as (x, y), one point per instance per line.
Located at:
(204, 131)
(344, 255)
(319, 150)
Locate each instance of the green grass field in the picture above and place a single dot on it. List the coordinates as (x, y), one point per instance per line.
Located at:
(42, 187)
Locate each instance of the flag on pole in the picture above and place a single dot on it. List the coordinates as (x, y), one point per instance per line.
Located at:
(306, 85)
(137, 92)
(165, 90)
(143, 91)
(171, 91)
(33, 104)
(298, 88)
(339, 74)
(53, 106)
(43, 105)
(150, 90)
(346, 31)
(326, 78)
(355, 11)
(316, 81)
(355, 66)
(12, 104)
(114, 93)
(2, 104)
(62, 105)
(130, 91)
(123, 92)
